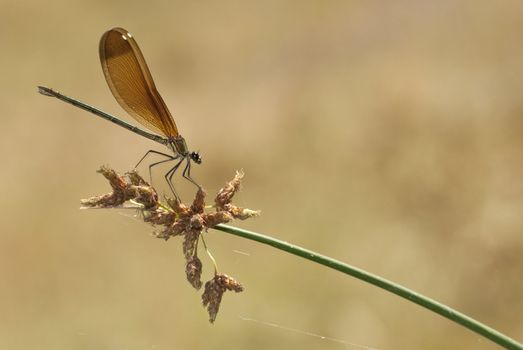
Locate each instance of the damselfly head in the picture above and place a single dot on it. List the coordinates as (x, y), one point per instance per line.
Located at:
(195, 156)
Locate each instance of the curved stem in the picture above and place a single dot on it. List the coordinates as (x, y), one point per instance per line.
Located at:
(210, 255)
(392, 287)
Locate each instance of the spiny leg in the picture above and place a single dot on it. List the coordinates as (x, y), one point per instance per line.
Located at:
(170, 157)
(157, 163)
(152, 151)
(187, 173)
(169, 176)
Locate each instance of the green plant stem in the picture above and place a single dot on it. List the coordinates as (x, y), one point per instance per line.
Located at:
(394, 288)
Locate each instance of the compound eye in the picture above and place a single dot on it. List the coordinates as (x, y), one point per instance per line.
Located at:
(196, 157)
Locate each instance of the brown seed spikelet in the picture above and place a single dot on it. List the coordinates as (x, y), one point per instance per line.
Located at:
(228, 191)
(220, 217)
(134, 189)
(190, 242)
(198, 204)
(193, 271)
(213, 293)
(116, 198)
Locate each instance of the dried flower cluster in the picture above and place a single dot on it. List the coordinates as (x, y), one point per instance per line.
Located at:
(214, 289)
(178, 219)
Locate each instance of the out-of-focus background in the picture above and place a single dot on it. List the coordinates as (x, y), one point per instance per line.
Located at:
(388, 135)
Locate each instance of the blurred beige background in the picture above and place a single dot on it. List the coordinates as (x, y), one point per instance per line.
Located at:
(385, 134)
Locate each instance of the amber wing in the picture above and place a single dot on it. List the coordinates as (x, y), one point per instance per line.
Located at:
(131, 82)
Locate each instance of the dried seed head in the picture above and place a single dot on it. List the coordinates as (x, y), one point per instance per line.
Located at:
(241, 213)
(173, 203)
(116, 198)
(193, 271)
(104, 201)
(244, 213)
(219, 217)
(212, 298)
(196, 222)
(136, 179)
(145, 195)
(159, 216)
(179, 208)
(229, 283)
(198, 204)
(214, 289)
(180, 219)
(177, 228)
(116, 181)
(225, 194)
(190, 243)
